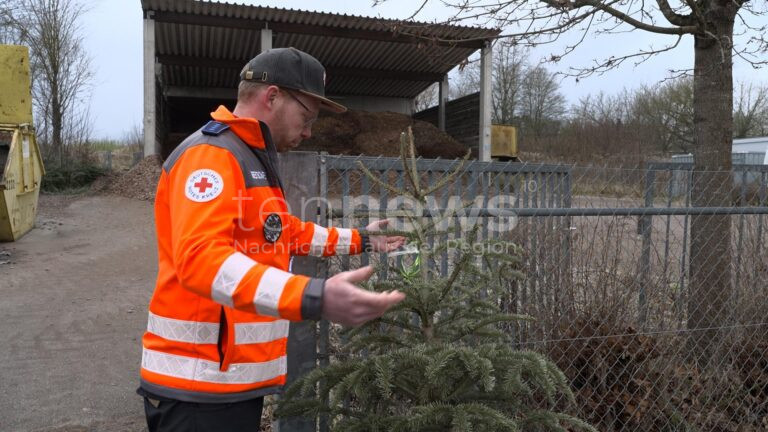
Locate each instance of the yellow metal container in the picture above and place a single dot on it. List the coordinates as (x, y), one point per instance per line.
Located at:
(21, 165)
(15, 93)
(503, 142)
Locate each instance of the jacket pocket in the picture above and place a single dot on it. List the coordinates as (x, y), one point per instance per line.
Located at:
(226, 344)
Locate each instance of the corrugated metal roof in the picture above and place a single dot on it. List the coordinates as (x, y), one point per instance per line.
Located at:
(305, 17)
(209, 42)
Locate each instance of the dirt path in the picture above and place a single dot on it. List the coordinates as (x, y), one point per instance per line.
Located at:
(74, 296)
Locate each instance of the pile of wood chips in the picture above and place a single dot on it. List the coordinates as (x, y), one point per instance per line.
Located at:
(378, 134)
(140, 182)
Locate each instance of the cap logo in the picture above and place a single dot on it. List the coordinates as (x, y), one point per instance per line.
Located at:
(249, 75)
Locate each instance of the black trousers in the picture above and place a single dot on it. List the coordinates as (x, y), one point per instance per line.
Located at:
(169, 415)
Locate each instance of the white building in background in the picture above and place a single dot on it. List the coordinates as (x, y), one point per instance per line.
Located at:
(752, 145)
(746, 151)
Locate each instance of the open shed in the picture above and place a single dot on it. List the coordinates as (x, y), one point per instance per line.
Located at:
(194, 51)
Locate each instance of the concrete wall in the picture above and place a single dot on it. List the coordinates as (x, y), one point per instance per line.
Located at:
(376, 104)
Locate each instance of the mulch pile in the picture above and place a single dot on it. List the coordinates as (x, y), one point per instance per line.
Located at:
(378, 134)
(351, 133)
(139, 182)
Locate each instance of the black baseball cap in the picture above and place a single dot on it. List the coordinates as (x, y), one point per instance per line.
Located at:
(292, 69)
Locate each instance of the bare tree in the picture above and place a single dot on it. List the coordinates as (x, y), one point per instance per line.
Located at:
(426, 99)
(510, 64)
(603, 126)
(603, 109)
(666, 111)
(9, 30)
(61, 70)
(542, 104)
(467, 80)
(663, 114)
(711, 24)
(750, 115)
(134, 137)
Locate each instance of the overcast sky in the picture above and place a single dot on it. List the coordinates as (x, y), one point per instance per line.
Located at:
(113, 37)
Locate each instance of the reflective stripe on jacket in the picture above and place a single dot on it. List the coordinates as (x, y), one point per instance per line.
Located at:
(218, 319)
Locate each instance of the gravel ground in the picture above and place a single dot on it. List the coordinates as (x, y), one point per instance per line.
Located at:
(75, 292)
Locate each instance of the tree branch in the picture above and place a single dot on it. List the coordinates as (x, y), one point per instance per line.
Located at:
(599, 5)
(696, 11)
(674, 18)
(612, 62)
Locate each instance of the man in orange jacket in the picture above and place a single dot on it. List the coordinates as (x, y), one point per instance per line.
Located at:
(218, 320)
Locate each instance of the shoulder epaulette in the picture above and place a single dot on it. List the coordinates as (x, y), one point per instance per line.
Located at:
(214, 128)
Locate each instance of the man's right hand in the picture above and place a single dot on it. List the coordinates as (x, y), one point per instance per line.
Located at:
(344, 303)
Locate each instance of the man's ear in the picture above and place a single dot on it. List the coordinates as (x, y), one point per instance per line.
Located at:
(270, 96)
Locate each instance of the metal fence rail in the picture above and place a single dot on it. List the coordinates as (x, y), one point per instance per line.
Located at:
(348, 190)
(608, 257)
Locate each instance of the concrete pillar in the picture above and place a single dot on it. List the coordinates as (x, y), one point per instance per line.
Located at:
(486, 64)
(150, 100)
(442, 98)
(266, 40)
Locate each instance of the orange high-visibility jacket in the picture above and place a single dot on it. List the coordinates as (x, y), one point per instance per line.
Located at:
(218, 320)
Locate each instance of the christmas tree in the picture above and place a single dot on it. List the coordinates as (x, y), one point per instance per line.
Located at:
(442, 359)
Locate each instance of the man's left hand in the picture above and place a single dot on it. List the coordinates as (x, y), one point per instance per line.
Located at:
(383, 243)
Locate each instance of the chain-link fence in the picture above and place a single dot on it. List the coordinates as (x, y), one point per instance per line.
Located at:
(649, 288)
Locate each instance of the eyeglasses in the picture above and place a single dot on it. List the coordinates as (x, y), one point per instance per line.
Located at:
(297, 100)
(309, 122)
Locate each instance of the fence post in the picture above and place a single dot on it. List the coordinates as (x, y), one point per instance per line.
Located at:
(740, 245)
(645, 225)
(323, 337)
(567, 190)
(299, 174)
(684, 259)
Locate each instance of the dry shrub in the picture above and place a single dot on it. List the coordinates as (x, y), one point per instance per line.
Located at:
(625, 380)
(607, 365)
(754, 193)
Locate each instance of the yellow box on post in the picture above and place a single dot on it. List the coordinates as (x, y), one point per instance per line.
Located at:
(503, 142)
(21, 165)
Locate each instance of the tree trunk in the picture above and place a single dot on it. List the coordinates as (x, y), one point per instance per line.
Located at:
(710, 265)
(56, 123)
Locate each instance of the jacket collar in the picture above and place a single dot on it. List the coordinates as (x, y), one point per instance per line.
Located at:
(253, 132)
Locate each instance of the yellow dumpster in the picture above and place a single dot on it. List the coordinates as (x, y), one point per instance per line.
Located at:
(21, 165)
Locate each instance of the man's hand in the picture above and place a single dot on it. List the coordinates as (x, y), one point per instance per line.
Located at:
(383, 243)
(344, 303)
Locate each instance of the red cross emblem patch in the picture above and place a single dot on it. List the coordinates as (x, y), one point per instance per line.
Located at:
(203, 185)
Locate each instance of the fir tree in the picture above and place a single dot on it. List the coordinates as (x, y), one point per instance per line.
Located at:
(441, 360)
